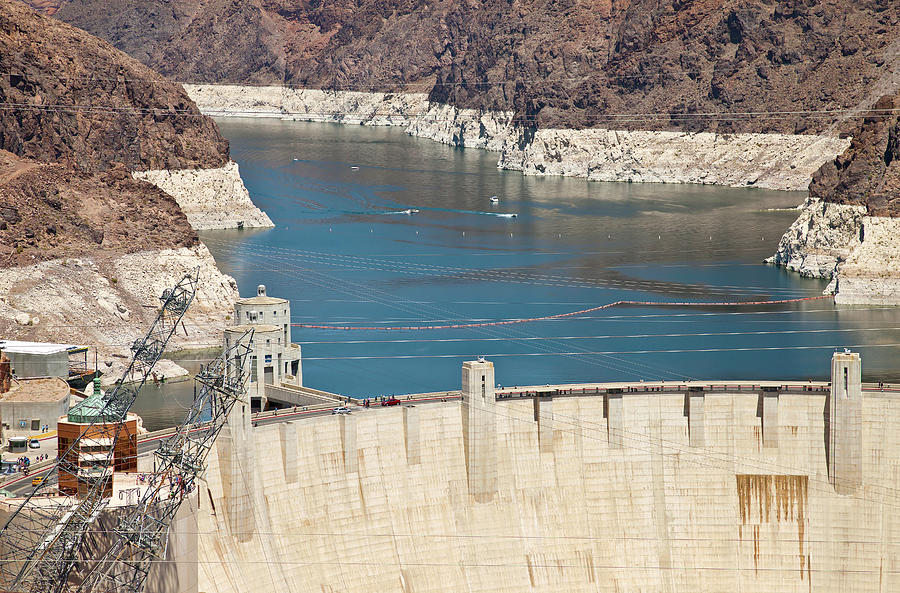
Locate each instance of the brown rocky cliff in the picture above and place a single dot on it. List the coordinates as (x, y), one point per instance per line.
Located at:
(868, 172)
(78, 100)
(50, 211)
(5, 374)
(714, 64)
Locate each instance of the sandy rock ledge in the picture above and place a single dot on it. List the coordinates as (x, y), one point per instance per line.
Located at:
(108, 301)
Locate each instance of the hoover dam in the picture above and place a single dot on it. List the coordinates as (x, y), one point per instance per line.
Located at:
(641, 487)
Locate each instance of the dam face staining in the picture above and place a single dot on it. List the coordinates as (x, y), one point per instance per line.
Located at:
(699, 486)
(449, 297)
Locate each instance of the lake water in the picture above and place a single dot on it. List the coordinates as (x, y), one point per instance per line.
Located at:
(345, 254)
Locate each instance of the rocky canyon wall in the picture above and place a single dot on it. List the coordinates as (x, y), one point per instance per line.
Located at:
(860, 253)
(108, 300)
(849, 229)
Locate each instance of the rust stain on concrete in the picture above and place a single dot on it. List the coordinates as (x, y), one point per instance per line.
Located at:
(774, 499)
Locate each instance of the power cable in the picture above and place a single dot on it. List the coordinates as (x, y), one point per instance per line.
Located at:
(659, 117)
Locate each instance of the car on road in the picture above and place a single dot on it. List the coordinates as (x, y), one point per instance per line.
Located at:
(393, 401)
(341, 410)
(37, 480)
(34, 443)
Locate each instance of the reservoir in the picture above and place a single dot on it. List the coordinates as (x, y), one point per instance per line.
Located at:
(377, 229)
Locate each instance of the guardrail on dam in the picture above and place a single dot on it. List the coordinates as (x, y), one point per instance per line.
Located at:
(715, 488)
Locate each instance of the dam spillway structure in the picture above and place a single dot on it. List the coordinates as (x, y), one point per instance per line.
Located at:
(681, 487)
(693, 487)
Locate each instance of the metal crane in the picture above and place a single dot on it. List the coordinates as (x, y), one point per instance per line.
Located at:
(41, 538)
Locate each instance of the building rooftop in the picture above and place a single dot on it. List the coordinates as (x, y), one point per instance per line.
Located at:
(17, 347)
(261, 300)
(94, 409)
(50, 389)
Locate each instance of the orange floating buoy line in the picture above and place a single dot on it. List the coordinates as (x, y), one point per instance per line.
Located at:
(558, 315)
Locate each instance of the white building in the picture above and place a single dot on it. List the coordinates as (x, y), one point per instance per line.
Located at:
(274, 359)
(40, 359)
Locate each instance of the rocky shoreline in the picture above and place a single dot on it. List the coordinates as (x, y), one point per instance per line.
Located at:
(210, 198)
(858, 252)
(109, 300)
(827, 240)
(772, 161)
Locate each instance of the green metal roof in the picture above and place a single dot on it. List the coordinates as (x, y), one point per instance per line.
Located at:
(91, 409)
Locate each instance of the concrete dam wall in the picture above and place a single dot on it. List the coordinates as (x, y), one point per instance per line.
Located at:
(693, 492)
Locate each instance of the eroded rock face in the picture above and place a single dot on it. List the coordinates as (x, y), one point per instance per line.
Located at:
(860, 253)
(774, 161)
(108, 108)
(210, 198)
(554, 64)
(108, 300)
(849, 229)
(871, 272)
(821, 238)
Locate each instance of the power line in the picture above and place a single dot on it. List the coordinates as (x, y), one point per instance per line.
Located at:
(610, 352)
(560, 315)
(659, 117)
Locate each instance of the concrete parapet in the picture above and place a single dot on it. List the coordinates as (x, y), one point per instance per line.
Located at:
(694, 400)
(348, 442)
(235, 451)
(287, 435)
(843, 423)
(614, 411)
(479, 424)
(411, 434)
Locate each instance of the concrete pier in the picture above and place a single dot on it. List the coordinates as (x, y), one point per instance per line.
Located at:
(288, 439)
(844, 423)
(479, 428)
(769, 415)
(694, 401)
(348, 443)
(411, 437)
(614, 412)
(236, 455)
(545, 423)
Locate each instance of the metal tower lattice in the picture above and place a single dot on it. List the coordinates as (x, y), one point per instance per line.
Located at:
(141, 536)
(40, 540)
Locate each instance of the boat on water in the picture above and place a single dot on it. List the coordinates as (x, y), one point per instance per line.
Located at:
(409, 211)
(511, 215)
(495, 200)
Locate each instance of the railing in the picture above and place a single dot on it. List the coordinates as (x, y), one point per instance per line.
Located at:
(679, 387)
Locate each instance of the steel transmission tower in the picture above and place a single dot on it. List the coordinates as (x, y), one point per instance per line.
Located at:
(42, 537)
(141, 536)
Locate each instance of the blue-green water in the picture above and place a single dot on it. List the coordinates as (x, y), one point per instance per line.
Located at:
(344, 254)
